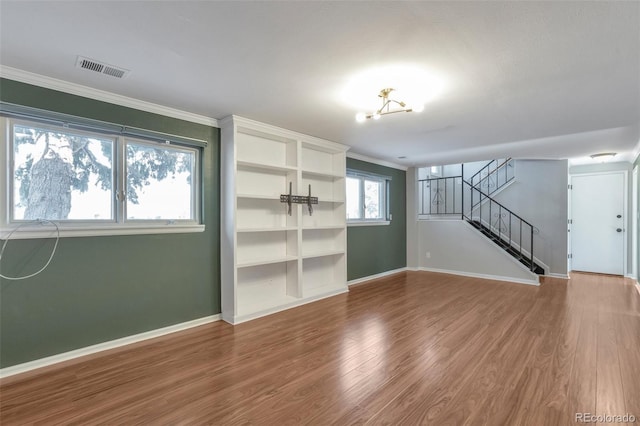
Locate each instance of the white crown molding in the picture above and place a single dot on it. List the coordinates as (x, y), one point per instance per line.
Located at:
(100, 347)
(285, 133)
(377, 161)
(101, 95)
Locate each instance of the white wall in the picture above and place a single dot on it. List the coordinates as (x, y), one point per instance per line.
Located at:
(539, 195)
(455, 245)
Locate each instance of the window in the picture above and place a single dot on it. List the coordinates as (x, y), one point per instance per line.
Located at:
(93, 180)
(367, 197)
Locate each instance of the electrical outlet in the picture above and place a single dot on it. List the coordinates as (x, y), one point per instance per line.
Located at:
(428, 254)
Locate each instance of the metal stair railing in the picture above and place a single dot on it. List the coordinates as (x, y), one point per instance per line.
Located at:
(493, 176)
(501, 224)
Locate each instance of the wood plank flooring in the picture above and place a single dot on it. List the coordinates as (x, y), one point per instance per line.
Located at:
(413, 348)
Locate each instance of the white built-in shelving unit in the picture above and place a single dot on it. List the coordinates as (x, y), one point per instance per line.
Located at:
(273, 260)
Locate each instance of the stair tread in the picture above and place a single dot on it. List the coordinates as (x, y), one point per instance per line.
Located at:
(500, 242)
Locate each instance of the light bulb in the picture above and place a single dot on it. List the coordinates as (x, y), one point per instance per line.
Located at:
(360, 117)
(418, 108)
(376, 116)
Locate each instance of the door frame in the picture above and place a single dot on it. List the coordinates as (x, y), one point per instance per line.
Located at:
(633, 217)
(625, 208)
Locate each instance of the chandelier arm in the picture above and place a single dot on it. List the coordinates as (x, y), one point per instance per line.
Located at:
(397, 110)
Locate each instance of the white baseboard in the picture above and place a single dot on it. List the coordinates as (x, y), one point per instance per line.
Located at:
(376, 276)
(483, 276)
(112, 344)
(563, 276)
(255, 315)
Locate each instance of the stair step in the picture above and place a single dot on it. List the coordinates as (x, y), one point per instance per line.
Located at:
(506, 246)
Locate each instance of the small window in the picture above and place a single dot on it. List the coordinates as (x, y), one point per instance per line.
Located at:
(367, 197)
(160, 182)
(60, 175)
(93, 180)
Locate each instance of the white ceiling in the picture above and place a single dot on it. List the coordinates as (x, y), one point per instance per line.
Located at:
(523, 79)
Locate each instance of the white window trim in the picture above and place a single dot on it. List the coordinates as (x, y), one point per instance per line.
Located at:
(84, 228)
(385, 199)
(358, 222)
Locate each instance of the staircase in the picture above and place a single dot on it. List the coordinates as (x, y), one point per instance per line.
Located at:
(516, 253)
(471, 200)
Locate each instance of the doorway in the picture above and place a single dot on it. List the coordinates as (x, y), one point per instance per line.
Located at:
(598, 215)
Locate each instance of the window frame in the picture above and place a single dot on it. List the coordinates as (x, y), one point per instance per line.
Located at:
(384, 196)
(118, 224)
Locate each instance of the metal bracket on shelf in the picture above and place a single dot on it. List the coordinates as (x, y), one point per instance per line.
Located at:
(298, 199)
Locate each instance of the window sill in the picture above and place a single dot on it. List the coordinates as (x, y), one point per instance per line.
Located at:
(369, 223)
(66, 231)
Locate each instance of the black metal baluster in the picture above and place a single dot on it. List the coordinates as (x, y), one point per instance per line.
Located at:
(510, 218)
(520, 242)
(445, 196)
(532, 268)
(500, 222)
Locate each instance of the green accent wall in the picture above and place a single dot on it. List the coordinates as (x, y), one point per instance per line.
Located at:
(375, 249)
(103, 288)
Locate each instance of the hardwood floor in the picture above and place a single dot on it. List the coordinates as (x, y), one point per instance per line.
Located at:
(414, 348)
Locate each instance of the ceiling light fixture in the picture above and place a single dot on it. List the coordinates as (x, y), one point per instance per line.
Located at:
(385, 109)
(603, 156)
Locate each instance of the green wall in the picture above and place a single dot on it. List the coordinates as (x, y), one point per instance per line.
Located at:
(375, 249)
(103, 288)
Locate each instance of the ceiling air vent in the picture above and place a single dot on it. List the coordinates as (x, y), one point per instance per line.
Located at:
(101, 67)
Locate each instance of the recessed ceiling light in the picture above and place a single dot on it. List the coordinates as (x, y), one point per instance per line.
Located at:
(603, 156)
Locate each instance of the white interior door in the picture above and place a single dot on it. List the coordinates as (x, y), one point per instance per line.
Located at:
(598, 218)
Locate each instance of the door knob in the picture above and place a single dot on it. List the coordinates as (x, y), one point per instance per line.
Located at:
(619, 216)
(619, 230)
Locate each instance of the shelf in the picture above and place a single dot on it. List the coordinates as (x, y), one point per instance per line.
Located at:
(250, 304)
(260, 197)
(306, 228)
(323, 254)
(247, 230)
(268, 167)
(259, 262)
(335, 288)
(322, 174)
